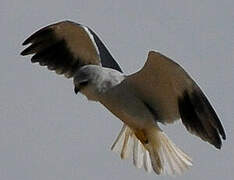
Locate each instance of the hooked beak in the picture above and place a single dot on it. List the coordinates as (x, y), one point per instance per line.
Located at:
(76, 90)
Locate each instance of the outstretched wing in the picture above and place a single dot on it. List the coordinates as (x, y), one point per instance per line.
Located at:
(170, 93)
(66, 46)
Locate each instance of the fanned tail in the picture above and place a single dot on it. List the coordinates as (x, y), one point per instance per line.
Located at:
(126, 143)
(166, 158)
(159, 154)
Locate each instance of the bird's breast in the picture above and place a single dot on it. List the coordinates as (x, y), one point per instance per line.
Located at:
(127, 107)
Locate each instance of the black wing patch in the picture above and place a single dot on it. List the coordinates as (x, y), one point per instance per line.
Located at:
(50, 48)
(106, 58)
(199, 117)
(52, 52)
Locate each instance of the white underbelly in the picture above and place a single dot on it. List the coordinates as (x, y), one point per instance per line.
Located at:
(128, 109)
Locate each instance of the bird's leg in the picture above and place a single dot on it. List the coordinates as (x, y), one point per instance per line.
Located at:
(140, 134)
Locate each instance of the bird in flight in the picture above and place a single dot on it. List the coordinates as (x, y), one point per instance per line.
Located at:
(161, 92)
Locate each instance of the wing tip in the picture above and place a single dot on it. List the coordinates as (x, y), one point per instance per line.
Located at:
(22, 53)
(27, 41)
(200, 118)
(45, 30)
(218, 124)
(25, 51)
(222, 133)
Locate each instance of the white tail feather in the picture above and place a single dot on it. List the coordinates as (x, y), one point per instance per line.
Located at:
(166, 158)
(126, 143)
(160, 154)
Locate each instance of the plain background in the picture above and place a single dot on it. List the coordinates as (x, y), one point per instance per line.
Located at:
(49, 133)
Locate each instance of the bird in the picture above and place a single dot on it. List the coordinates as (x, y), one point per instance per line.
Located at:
(160, 92)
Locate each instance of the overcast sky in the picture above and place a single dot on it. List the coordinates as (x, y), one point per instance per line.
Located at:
(49, 133)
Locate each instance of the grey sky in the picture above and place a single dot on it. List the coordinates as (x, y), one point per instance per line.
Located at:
(49, 133)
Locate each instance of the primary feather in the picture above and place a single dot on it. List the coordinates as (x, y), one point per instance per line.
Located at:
(66, 46)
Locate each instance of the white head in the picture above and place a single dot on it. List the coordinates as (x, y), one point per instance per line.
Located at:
(93, 80)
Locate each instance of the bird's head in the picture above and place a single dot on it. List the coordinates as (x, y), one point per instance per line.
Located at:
(86, 76)
(91, 80)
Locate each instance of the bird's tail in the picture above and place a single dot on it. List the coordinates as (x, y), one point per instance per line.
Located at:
(127, 144)
(166, 158)
(159, 154)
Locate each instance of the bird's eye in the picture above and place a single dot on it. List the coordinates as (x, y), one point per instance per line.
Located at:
(83, 83)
